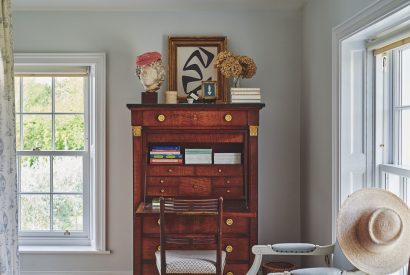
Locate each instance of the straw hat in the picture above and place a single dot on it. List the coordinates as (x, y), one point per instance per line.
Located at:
(373, 230)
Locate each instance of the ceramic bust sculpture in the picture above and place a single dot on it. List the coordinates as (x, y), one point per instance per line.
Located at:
(150, 70)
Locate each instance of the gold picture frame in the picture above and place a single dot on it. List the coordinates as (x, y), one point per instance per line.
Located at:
(191, 61)
(209, 89)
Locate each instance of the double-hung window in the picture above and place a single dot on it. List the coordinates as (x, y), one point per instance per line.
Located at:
(393, 118)
(60, 117)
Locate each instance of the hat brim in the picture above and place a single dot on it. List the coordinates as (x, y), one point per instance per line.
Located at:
(364, 202)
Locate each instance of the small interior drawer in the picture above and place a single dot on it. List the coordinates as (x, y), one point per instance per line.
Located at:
(170, 170)
(239, 248)
(227, 181)
(194, 186)
(159, 191)
(163, 181)
(228, 192)
(235, 269)
(220, 170)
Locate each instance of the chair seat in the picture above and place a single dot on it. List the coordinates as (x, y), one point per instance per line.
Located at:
(190, 261)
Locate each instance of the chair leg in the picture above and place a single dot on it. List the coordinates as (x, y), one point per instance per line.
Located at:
(256, 265)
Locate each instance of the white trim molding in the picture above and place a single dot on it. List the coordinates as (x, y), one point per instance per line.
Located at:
(361, 28)
(97, 141)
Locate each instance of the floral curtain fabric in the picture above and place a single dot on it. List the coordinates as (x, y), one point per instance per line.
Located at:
(9, 260)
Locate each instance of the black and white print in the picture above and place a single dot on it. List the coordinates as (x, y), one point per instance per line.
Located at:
(194, 65)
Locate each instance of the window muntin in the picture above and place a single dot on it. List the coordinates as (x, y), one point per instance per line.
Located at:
(53, 156)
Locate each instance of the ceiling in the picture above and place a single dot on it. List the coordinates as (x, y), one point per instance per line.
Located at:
(155, 5)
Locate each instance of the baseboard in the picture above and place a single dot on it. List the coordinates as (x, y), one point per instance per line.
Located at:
(76, 272)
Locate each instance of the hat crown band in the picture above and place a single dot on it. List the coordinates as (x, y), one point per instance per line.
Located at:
(385, 226)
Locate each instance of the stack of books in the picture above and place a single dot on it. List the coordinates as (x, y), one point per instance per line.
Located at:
(165, 155)
(227, 158)
(245, 95)
(198, 156)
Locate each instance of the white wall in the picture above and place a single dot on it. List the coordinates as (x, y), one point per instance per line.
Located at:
(319, 17)
(273, 39)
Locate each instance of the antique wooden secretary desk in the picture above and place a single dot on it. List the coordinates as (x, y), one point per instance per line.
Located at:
(224, 128)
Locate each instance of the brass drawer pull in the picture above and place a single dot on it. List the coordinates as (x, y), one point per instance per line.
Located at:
(229, 222)
(229, 273)
(170, 170)
(162, 190)
(161, 118)
(219, 170)
(161, 181)
(229, 248)
(228, 191)
(228, 181)
(228, 117)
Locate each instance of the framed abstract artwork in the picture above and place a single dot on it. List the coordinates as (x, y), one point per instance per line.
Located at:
(192, 61)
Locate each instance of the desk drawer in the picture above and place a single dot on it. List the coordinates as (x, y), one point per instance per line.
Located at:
(168, 118)
(237, 249)
(231, 225)
(163, 181)
(195, 186)
(235, 269)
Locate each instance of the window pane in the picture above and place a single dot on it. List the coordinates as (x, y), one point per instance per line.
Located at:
(17, 132)
(69, 133)
(68, 174)
(405, 137)
(405, 77)
(37, 94)
(37, 132)
(17, 93)
(68, 212)
(35, 212)
(35, 174)
(69, 94)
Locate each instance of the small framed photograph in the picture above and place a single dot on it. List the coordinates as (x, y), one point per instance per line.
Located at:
(209, 89)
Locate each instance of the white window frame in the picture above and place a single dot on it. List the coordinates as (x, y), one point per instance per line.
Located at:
(97, 149)
(350, 40)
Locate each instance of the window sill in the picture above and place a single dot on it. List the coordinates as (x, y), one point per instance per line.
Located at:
(25, 249)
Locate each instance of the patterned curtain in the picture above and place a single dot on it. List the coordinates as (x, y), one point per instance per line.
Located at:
(9, 260)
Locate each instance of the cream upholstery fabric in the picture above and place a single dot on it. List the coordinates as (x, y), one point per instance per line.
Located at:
(190, 261)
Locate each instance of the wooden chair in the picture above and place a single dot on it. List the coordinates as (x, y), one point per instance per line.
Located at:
(183, 260)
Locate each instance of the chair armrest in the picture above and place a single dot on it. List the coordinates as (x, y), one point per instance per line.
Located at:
(260, 250)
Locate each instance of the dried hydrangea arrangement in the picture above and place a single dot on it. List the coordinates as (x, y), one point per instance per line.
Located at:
(236, 66)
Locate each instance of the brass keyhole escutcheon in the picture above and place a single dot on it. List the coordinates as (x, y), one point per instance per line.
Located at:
(229, 273)
(161, 118)
(228, 117)
(229, 222)
(229, 248)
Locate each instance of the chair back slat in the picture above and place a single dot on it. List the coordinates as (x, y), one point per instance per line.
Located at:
(191, 207)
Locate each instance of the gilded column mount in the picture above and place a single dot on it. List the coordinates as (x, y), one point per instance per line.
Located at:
(253, 130)
(136, 131)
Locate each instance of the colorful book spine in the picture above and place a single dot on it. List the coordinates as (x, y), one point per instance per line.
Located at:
(166, 156)
(166, 148)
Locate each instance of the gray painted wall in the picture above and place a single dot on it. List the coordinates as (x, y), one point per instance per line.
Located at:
(273, 39)
(319, 17)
